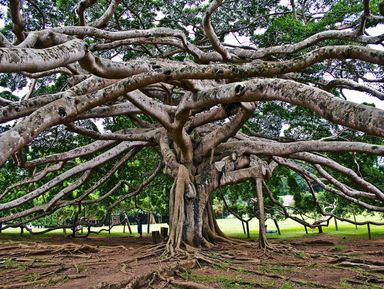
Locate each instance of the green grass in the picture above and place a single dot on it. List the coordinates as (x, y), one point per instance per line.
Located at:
(32, 277)
(287, 285)
(344, 284)
(339, 248)
(233, 228)
(10, 263)
(290, 229)
(230, 281)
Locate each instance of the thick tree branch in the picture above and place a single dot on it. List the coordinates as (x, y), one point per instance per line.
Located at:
(81, 7)
(15, 7)
(210, 33)
(107, 15)
(35, 60)
(88, 165)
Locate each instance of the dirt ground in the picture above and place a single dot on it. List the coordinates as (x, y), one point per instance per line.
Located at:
(129, 262)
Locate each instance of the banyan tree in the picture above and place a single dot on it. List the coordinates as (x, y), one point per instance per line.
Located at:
(193, 81)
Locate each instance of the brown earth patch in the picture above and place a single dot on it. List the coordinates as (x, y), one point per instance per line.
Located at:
(129, 262)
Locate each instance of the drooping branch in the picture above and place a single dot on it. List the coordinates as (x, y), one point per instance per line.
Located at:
(106, 176)
(81, 7)
(55, 203)
(136, 134)
(15, 110)
(35, 60)
(363, 18)
(343, 187)
(71, 154)
(210, 32)
(321, 160)
(340, 83)
(286, 212)
(107, 15)
(350, 84)
(35, 178)
(223, 133)
(359, 117)
(314, 178)
(15, 7)
(270, 148)
(102, 158)
(331, 214)
(140, 188)
(110, 69)
(80, 181)
(111, 110)
(4, 42)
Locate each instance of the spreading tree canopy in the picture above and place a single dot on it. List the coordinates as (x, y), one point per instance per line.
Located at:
(176, 99)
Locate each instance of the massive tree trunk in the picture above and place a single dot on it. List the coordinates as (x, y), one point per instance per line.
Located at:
(192, 217)
(186, 209)
(193, 224)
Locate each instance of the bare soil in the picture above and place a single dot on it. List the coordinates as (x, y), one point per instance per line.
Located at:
(130, 262)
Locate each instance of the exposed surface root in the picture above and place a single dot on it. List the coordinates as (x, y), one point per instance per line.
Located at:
(41, 282)
(189, 285)
(223, 266)
(40, 249)
(142, 280)
(271, 250)
(216, 258)
(373, 268)
(278, 276)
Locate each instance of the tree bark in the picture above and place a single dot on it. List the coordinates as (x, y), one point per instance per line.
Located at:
(261, 213)
(242, 223)
(336, 226)
(277, 226)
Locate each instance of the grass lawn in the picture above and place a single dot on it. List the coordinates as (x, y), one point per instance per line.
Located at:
(233, 228)
(291, 229)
